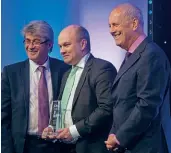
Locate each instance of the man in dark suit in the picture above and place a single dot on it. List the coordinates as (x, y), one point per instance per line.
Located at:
(87, 119)
(28, 92)
(141, 115)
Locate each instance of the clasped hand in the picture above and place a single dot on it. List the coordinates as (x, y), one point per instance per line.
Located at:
(60, 134)
(112, 142)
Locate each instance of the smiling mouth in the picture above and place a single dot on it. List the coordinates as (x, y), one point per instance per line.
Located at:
(117, 36)
(32, 52)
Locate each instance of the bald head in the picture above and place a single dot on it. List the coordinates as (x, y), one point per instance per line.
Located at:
(70, 30)
(74, 42)
(126, 24)
(78, 33)
(128, 12)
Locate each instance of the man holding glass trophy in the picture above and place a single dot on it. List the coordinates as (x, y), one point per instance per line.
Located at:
(28, 89)
(84, 110)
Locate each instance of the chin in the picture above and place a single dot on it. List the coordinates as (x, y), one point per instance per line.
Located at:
(67, 62)
(33, 58)
(118, 43)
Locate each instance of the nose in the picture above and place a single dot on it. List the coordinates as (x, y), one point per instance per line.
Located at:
(31, 45)
(112, 30)
(62, 50)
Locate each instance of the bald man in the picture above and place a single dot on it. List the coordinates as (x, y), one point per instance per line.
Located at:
(141, 118)
(87, 119)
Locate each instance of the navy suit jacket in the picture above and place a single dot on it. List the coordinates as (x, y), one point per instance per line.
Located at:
(141, 115)
(15, 102)
(92, 105)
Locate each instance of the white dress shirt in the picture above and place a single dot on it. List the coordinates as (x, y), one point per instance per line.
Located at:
(68, 119)
(33, 105)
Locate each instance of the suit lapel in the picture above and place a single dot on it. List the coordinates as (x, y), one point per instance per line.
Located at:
(83, 77)
(131, 61)
(127, 66)
(25, 76)
(54, 76)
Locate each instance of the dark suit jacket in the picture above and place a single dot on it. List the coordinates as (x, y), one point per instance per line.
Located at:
(15, 102)
(140, 92)
(92, 105)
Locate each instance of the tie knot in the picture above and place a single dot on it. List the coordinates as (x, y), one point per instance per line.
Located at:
(128, 54)
(41, 68)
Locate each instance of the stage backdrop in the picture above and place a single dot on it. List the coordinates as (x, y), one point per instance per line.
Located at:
(92, 14)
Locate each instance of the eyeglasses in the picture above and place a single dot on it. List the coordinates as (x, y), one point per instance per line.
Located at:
(34, 42)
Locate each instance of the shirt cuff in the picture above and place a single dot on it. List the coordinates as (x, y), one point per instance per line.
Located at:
(74, 132)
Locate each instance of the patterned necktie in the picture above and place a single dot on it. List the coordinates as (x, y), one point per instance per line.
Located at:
(67, 92)
(43, 101)
(127, 55)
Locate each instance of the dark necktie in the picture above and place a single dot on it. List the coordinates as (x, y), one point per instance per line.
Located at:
(43, 101)
(127, 55)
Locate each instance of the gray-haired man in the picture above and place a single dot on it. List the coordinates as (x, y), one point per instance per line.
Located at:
(28, 89)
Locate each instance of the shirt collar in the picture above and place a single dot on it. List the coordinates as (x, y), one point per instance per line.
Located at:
(137, 42)
(34, 65)
(82, 62)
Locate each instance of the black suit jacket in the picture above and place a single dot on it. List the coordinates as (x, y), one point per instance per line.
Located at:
(141, 100)
(92, 105)
(15, 102)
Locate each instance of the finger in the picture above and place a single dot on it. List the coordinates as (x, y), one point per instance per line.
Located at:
(44, 133)
(50, 131)
(109, 146)
(106, 142)
(60, 135)
(52, 136)
(115, 149)
(67, 136)
(60, 130)
(45, 130)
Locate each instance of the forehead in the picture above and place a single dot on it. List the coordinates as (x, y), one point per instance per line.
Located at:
(115, 16)
(31, 36)
(66, 36)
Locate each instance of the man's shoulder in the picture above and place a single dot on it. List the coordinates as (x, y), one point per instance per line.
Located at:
(59, 64)
(52, 59)
(57, 61)
(17, 65)
(153, 50)
(98, 62)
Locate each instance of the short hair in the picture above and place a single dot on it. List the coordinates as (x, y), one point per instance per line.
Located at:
(84, 34)
(39, 28)
(131, 11)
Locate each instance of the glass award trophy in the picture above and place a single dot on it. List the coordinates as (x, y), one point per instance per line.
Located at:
(56, 119)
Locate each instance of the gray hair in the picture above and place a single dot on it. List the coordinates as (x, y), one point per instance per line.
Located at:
(131, 11)
(39, 28)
